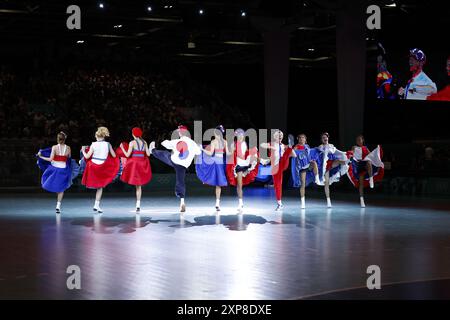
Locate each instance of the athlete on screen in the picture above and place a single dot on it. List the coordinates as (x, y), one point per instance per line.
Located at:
(420, 86)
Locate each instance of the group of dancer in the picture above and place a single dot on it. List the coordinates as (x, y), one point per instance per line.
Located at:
(218, 164)
(325, 165)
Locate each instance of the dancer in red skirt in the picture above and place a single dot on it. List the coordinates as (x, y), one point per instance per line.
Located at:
(137, 171)
(242, 165)
(279, 155)
(102, 165)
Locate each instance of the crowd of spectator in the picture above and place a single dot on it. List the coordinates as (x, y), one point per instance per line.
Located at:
(34, 107)
(77, 101)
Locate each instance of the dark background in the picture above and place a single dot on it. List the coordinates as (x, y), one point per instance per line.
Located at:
(38, 40)
(228, 59)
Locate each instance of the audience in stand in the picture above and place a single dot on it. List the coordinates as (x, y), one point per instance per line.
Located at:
(33, 106)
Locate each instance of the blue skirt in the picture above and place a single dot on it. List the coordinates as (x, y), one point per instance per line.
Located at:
(211, 170)
(57, 179)
(334, 173)
(302, 163)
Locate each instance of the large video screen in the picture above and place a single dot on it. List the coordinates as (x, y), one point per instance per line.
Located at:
(413, 75)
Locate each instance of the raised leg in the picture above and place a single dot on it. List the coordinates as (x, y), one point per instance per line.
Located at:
(337, 163)
(370, 173)
(369, 168)
(164, 156)
(314, 167)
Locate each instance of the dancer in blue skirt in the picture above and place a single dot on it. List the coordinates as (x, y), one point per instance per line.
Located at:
(58, 168)
(331, 163)
(304, 168)
(211, 166)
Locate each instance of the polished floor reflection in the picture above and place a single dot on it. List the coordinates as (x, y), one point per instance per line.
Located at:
(262, 254)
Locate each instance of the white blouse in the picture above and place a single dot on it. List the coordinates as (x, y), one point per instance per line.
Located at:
(243, 162)
(101, 150)
(60, 164)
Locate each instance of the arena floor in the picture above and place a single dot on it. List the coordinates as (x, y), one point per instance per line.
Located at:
(262, 254)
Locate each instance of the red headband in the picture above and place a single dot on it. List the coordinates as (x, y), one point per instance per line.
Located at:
(182, 128)
(137, 132)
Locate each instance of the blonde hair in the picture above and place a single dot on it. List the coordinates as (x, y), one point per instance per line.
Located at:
(277, 132)
(102, 132)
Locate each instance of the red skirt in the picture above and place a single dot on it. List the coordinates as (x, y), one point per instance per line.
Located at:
(283, 164)
(137, 171)
(100, 175)
(249, 177)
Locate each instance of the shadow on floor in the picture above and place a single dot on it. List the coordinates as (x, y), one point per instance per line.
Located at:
(236, 222)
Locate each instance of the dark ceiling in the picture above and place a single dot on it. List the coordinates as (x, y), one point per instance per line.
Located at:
(226, 32)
